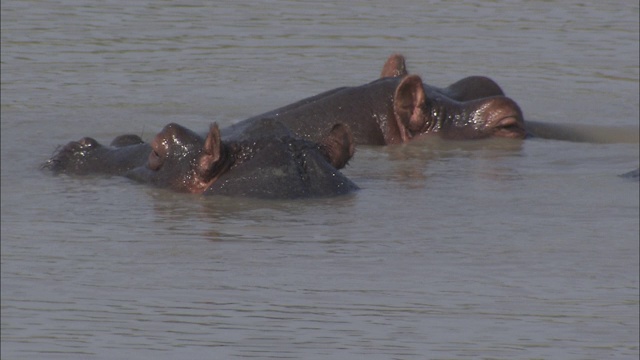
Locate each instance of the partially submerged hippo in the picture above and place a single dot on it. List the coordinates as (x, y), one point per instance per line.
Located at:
(267, 162)
(399, 107)
(274, 165)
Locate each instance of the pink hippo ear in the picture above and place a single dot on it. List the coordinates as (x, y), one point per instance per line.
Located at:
(337, 146)
(211, 154)
(409, 105)
(394, 67)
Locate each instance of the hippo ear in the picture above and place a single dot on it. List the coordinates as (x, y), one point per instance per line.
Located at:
(409, 105)
(394, 67)
(338, 147)
(211, 153)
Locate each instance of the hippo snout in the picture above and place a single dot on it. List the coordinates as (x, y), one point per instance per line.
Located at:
(71, 156)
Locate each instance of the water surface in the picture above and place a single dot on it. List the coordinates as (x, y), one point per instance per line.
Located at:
(483, 250)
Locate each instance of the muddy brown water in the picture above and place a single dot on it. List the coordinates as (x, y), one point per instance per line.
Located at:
(483, 250)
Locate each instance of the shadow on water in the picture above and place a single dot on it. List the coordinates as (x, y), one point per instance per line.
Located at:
(594, 134)
(223, 218)
(584, 133)
(416, 161)
(632, 175)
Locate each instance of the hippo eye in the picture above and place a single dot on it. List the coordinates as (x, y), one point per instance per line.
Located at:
(510, 127)
(155, 160)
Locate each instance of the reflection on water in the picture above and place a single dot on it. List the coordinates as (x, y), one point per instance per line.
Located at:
(412, 161)
(484, 249)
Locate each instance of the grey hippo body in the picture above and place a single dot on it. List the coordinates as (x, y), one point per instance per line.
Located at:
(399, 107)
(267, 162)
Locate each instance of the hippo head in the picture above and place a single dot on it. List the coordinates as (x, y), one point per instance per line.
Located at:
(170, 162)
(266, 166)
(87, 156)
(74, 157)
(418, 112)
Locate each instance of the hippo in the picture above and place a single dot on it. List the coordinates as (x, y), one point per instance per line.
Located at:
(265, 162)
(399, 107)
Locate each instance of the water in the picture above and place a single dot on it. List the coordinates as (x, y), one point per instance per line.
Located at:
(483, 250)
